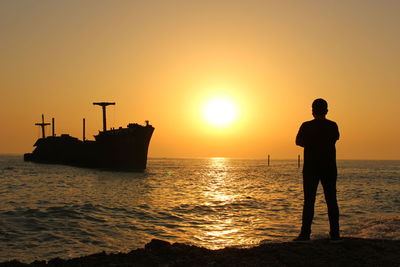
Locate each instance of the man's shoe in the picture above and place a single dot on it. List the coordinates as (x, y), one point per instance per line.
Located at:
(302, 238)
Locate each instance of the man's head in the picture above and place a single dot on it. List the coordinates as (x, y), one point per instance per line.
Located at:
(319, 108)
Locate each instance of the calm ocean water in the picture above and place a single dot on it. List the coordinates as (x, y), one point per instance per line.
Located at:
(49, 211)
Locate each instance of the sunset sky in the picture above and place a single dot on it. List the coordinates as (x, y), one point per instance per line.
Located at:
(166, 61)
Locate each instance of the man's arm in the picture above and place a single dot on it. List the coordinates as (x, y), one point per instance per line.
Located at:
(337, 135)
(300, 137)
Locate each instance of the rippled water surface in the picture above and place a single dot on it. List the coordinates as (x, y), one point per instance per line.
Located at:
(54, 210)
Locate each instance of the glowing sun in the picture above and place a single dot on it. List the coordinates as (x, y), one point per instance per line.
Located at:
(220, 112)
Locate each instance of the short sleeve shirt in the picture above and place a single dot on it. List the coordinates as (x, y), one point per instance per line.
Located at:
(318, 137)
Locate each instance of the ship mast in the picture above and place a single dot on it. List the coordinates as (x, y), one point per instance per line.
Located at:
(104, 105)
(42, 124)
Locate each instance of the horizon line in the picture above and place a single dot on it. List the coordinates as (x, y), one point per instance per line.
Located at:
(221, 157)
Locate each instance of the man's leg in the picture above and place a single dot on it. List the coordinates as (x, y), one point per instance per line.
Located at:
(310, 185)
(329, 185)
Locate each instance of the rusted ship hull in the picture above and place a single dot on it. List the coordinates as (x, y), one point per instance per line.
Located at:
(116, 149)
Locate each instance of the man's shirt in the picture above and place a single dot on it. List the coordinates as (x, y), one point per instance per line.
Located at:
(318, 137)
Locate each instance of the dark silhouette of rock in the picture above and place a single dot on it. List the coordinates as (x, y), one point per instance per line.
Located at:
(322, 252)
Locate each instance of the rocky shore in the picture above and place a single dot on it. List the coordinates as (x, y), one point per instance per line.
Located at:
(322, 252)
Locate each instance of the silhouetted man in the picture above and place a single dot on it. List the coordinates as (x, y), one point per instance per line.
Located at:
(318, 137)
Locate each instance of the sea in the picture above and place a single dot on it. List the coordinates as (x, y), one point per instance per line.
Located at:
(49, 211)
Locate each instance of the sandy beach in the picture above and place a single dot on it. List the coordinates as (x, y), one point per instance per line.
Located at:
(321, 252)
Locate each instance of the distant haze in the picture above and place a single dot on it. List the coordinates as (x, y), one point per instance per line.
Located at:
(163, 60)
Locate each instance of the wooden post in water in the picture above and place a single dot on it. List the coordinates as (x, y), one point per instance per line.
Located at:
(298, 161)
(84, 134)
(268, 159)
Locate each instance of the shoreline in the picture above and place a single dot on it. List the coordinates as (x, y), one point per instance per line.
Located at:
(348, 252)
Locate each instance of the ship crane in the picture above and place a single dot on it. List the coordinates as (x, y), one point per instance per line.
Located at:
(42, 124)
(104, 105)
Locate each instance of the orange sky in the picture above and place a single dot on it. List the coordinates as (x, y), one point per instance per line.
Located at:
(163, 60)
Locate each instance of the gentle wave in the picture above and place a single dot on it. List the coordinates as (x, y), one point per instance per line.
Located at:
(377, 228)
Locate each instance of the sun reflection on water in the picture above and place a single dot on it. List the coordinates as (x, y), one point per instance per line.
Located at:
(219, 194)
(218, 202)
(216, 191)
